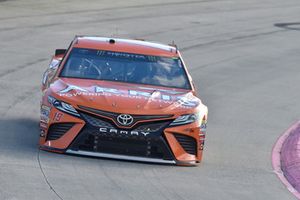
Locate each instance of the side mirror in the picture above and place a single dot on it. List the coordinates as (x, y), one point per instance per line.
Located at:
(60, 51)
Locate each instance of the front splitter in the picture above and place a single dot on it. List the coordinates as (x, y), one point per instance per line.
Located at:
(121, 157)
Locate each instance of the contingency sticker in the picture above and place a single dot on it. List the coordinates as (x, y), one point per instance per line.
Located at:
(45, 112)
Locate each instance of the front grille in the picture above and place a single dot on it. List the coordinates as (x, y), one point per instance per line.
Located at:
(144, 140)
(113, 116)
(152, 127)
(95, 121)
(188, 143)
(57, 130)
(122, 145)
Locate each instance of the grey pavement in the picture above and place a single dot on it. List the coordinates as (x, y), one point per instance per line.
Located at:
(244, 60)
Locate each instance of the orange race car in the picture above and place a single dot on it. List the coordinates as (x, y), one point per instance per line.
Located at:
(123, 99)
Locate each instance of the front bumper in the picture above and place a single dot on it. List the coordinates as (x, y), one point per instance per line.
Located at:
(182, 145)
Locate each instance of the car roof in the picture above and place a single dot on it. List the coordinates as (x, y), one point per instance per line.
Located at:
(125, 45)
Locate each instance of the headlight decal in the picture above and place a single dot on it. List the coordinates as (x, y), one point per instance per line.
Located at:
(63, 106)
(184, 119)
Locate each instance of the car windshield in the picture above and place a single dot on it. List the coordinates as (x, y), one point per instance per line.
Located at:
(126, 67)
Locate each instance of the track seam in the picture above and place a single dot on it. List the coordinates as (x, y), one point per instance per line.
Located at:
(224, 41)
(18, 68)
(20, 99)
(45, 177)
(112, 9)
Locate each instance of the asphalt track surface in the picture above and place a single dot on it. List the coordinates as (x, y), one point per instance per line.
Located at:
(243, 56)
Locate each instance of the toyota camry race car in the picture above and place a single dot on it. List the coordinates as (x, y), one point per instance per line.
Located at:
(123, 99)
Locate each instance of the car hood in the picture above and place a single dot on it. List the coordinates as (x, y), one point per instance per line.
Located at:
(124, 97)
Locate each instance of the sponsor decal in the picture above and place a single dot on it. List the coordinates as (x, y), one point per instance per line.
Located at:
(43, 125)
(201, 141)
(201, 146)
(202, 134)
(161, 90)
(42, 133)
(45, 77)
(126, 55)
(123, 132)
(203, 127)
(54, 64)
(72, 87)
(160, 96)
(45, 112)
